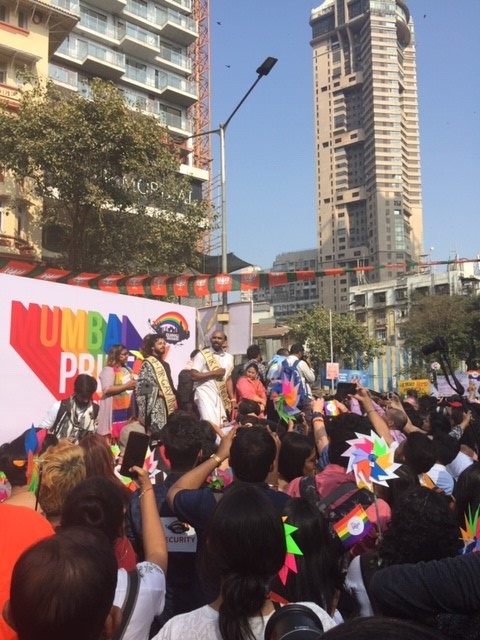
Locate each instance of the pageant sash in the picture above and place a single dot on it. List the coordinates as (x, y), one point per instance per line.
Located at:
(163, 383)
(212, 364)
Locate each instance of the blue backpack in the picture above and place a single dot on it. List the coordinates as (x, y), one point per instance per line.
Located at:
(290, 371)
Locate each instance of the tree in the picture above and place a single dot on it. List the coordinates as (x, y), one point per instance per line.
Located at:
(453, 317)
(352, 347)
(109, 176)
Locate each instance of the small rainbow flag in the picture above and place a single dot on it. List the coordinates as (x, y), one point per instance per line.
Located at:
(353, 527)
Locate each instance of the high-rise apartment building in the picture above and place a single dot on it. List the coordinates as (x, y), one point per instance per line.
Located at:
(155, 51)
(369, 206)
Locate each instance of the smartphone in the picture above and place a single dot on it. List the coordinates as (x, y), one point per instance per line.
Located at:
(135, 451)
(345, 389)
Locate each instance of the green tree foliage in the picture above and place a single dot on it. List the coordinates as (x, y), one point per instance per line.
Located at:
(352, 347)
(455, 318)
(109, 175)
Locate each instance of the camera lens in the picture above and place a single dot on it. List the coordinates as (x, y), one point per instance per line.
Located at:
(294, 622)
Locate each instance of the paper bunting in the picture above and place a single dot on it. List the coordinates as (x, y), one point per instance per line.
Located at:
(285, 398)
(371, 460)
(353, 527)
(471, 533)
(292, 550)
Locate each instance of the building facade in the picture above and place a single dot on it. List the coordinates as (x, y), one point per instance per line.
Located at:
(369, 207)
(29, 33)
(154, 51)
(292, 297)
(384, 307)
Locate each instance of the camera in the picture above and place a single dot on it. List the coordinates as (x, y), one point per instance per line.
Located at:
(439, 344)
(294, 622)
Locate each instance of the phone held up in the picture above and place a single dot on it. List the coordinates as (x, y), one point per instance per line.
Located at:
(135, 452)
(345, 389)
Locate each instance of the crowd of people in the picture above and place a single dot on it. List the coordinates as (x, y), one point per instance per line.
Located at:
(252, 507)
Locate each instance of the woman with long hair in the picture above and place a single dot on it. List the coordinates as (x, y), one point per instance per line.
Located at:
(118, 383)
(99, 463)
(319, 576)
(467, 493)
(244, 548)
(297, 457)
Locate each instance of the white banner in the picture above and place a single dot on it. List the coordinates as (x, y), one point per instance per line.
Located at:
(52, 332)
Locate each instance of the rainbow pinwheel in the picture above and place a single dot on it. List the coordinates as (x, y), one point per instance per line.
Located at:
(285, 398)
(292, 550)
(471, 533)
(371, 460)
(33, 443)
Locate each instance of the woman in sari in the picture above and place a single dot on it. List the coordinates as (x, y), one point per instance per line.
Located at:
(118, 383)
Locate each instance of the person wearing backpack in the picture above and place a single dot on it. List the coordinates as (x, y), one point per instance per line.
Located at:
(297, 368)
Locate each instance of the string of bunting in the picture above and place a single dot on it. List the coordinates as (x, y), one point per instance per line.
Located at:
(193, 286)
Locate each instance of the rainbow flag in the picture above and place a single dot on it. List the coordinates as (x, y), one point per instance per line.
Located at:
(353, 527)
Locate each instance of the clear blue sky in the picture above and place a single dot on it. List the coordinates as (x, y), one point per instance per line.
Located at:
(270, 144)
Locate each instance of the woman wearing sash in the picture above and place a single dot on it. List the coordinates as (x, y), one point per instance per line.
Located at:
(118, 383)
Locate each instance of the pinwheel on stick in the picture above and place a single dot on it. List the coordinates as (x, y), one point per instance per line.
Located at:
(285, 398)
(371, 460)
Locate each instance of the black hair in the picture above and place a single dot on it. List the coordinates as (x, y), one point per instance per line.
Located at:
(184, 438)
(64, 586)
(148, 343)
(404, 481)
(376, 628)
(294, 450)
(282, 352)
(419, 452)
(251, 365)
(467, 492)
(422, 528)
(319, 575)
(85, 384)
(296, 348)
(244, 547)
(252, 454)
(248, 406)
(14, 452)
(340, 429)
(446, 447)
(96, 503)
(253, 351)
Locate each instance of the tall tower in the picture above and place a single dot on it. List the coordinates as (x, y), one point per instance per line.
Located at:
(369, 206)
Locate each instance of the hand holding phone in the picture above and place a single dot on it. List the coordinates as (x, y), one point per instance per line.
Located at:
(135, 451)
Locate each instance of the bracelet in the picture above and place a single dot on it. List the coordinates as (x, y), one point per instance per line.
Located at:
(217, 459)
(317, 416)
(144, 492)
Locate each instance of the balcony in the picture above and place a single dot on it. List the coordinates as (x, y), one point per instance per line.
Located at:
(70, 5)
(174, 60)
(65, 77)
(96, 27)
(172, 24)
(178, 90)
(16, 246)
(178, 4)
(95, 59)
(138, 42)
(178, 27)
(10, 95)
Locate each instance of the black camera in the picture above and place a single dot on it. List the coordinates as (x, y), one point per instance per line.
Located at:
(438, 345)
(294, 622)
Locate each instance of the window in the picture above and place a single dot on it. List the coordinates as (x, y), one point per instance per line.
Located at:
(3, 13)
(22, 20)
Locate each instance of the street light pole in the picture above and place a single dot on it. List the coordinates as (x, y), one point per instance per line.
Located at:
(263, 70)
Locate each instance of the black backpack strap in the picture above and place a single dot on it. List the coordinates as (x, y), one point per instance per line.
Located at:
(133, 587)
(335, 495)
